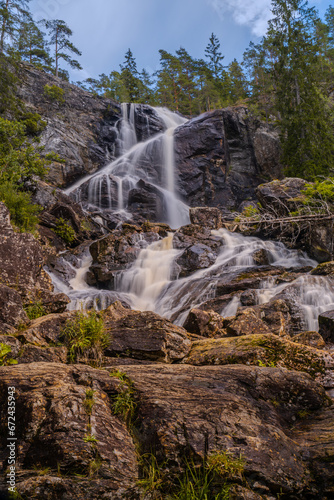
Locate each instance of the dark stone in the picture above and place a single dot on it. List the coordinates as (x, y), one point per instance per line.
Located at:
(206, 217)
(144, 335)
(326, 326)
(205, 323)
(195, 257)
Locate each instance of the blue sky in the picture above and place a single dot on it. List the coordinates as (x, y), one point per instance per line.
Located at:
(105, 29)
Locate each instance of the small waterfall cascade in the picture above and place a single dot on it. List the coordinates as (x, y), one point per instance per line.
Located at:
(150, 284)
(151, 162)
(150, 274)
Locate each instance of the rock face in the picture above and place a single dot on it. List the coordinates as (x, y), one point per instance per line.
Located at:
(21, 271)
(326, 326)
(81, 128)
(220, 157)
(144, 335)
(67, 430)
(245, 410)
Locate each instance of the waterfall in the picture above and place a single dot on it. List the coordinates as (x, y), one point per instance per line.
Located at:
(150, 284)
(151, 161)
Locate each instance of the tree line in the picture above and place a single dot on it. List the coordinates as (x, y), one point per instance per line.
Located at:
(286, 79)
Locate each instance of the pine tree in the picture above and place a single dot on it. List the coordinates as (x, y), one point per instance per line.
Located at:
(238, 82)
(31, 44)
(305, 115)
(129, 75)
(59, 38)
(11, 13)
(215, 56)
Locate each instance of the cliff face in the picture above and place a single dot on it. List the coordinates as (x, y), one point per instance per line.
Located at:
(221, 156)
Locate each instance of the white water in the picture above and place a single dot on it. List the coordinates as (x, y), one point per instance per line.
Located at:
(149, 286)
(152, 161)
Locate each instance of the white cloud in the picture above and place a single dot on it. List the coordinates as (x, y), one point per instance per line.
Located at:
(254, 14)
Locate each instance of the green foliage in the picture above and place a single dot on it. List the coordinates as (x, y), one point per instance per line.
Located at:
(65, 231)
(270, 364)
(85, 337)
(320, 190)
(35, 310)
(60, 35)
(5, 360)
(23, 213)
(225, 465)
(54, 93)
(209, 480)
(33, 123)
(89, 401)
(89, 438)
(124, 402)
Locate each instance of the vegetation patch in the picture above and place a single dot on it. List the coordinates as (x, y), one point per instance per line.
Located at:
(54, 93)
(65, 231)
(5, 359)
(85, 337)
(35, 310)
(210, 479)
(124, 402)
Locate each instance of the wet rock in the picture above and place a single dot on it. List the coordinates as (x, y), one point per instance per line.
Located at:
(281, 196)
(144, 335)
(206, 217)
(326, 326)
(217, 304)
(147, 122)
(148, 202)
(12, 313)
(246, 410)
(246, 322)
(312, 339)
(215, 158)
(248, 298)
(194, 234)
(195, 257)
(261, 257)
(263, 350)
(324, 269)
(319, 242)
(205, 323)
(114, 253)
(55, 420)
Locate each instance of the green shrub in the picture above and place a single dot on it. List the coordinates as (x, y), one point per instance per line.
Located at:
(5, 360)
(65, 231)
(54, 93)
(23, 213)
(33, 123)
(85, 337)
(124, 403)
(35, 310)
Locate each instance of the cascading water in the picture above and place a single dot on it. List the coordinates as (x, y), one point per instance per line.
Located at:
(148, 284)
(151, 161)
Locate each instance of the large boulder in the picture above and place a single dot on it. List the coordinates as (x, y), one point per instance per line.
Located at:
(144, 335)
(70, 442)
(326, 326)
(264, 350)
(281, 196)
(247, 411)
